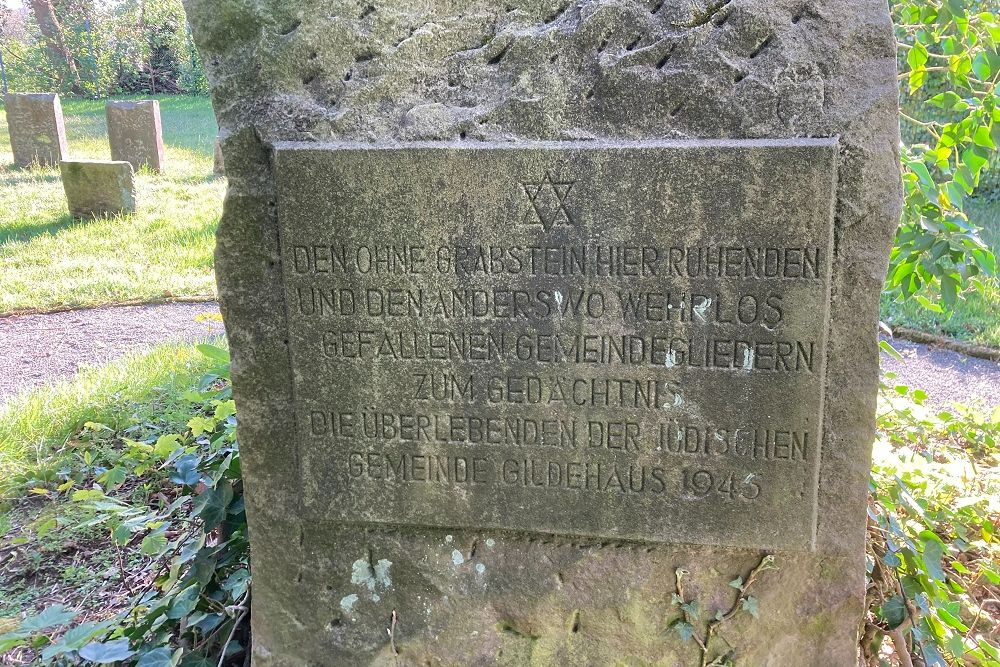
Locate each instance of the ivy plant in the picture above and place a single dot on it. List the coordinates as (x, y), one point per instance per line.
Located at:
(191, 530)
(933, 548)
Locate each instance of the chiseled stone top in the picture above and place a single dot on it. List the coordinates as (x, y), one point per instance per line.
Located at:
(35, 124)
(465, 74)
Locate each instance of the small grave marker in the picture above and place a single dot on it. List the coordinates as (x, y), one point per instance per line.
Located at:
(35, 124)
(135, 134)
(96, 188)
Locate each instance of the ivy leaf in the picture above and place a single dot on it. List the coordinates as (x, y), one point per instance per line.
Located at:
(684, 629)
(153, 544)
(893, 611)
(196, 660)
(48, 618)
(751, 606)
(166, 445)
(989, 649)
(104, 653)
(225, 409)
(160, 657)
(951, 620)
(199, 424)
(737, 583)
(186, 470)
(79, 635)
(210, 622)
(917, 56)
(236, 583)
(113, 478)
(75, 638)
(933, 552)
(184, 603)
(121, 534)
(84, 495)
(211, 504)
(891, 559)
(982, 137)
(946, 100)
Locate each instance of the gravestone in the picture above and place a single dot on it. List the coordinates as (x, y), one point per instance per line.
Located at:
(135, 133)
(96, 188)
(554, 324)
(35, 124)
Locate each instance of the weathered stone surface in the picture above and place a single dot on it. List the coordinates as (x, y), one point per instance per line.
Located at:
(135, 133)
(326, 591)
(549, 337)
(35, 124)
(98, 187)
(218, 161)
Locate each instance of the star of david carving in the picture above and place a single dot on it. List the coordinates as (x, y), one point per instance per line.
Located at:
(548, 202)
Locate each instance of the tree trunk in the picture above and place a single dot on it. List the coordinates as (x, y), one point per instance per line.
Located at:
(59, 52)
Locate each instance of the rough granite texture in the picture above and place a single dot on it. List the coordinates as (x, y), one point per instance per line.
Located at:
(35, 124)
(135, 133)
(218, 161)
(544, 70)
(98, 187)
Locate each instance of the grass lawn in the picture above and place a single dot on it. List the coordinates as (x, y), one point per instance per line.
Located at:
(165, 249)
(33, 424)
(977, 316)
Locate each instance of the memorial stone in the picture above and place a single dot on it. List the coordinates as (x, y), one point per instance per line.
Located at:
(35, 124)
(135, 133)
(98, 187)
(554, 324)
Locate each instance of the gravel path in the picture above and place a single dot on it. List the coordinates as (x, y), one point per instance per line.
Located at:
(946, 376)
(35, 349)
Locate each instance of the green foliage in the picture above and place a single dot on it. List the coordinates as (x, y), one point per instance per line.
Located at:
(933, 554)
(190, 528)
(133, 47)
(948, 46)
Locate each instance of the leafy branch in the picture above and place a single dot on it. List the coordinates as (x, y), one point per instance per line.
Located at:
(948, 46)
(686, 625)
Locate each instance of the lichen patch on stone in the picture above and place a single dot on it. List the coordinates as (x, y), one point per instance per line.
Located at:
(348, 601)
(374, 578)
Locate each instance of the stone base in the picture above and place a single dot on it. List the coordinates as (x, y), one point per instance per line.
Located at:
(469, 598)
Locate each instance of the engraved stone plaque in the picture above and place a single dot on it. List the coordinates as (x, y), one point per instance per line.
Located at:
(620, 340)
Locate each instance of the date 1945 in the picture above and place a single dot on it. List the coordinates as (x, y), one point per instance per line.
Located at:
(703, 483)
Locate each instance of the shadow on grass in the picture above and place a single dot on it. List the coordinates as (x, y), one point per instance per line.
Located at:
(12, 175)
(25, 233)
